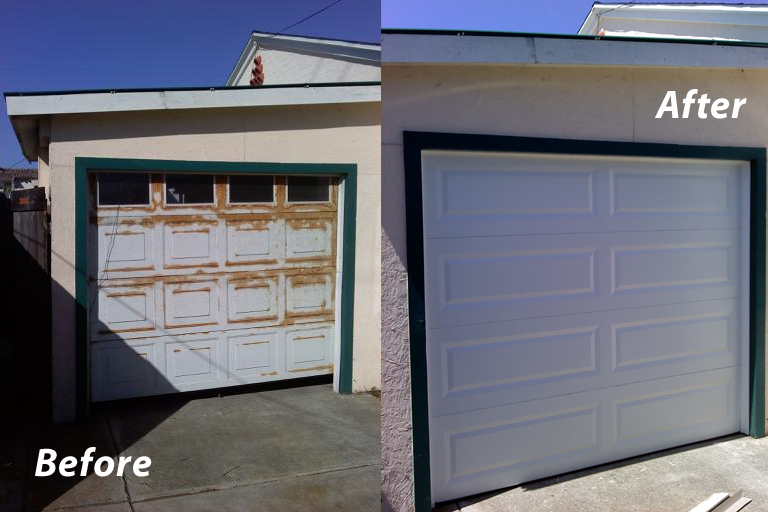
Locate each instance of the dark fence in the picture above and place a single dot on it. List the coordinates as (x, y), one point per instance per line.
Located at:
(31, 300)
(7, 373)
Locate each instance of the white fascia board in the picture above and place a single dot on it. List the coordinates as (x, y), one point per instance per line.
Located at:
(747, 15)
(91, 102)
(243, 63)
(637, 33)
(425, 49)
(362, 50)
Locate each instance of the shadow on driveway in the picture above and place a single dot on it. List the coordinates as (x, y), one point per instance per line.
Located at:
(294, 446)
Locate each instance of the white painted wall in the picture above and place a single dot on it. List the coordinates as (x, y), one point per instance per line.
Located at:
(293, 67)
(588, 102)
(734, 22)
(313, 134)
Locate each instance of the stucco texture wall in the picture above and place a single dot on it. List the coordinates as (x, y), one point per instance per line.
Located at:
(348, 133)
(602, 103)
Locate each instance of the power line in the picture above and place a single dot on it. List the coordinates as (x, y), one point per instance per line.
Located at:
(15, 163)
(619, 7)
(302, 20)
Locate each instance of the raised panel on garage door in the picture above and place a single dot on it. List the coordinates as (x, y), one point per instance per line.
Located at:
(519, 360)
(487, 279)
(492, 194)
(200, 285)
(502, 446)
(579, 310)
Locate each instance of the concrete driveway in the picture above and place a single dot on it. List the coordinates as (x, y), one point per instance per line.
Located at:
(668, 481)
(300, 448)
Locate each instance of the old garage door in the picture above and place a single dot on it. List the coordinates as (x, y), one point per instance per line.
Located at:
(579, 310)
(200, 281)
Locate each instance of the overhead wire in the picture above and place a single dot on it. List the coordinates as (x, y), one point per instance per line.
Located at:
(611, 10)
(14, 164)
(302, 20)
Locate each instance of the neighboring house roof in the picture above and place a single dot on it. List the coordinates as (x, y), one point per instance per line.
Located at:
(712, 21)
(7, 175)
(27, 109)
(303, 59)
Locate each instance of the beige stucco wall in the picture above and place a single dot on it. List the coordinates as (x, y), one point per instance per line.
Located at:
(603, 103)
(349, 133)
(44, 171)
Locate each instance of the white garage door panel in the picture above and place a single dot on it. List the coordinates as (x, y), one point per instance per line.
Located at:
(214, 294)
(579, 310)
(123, 309)
(254, 242)
(502, 446)
(193, 364)
(254, 354)
(486, 279)
(163, 364)
(478, 194)
(120, 370)
(130, 248)
(509, 362)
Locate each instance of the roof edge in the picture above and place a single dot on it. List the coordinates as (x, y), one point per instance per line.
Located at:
(581, 37)
(363, 53)
(183, 89)
(448, 47)
(277, 35)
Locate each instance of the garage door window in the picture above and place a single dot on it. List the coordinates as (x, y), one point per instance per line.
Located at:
(308, 189)
(123, 189)
(188, 189)
(251, 189)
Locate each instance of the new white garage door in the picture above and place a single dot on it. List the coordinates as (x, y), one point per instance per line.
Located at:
(200, 281)
(579, 310)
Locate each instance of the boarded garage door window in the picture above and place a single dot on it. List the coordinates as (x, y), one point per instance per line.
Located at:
(308, 189)
(188, 189)
(123, 189)
(251, 189)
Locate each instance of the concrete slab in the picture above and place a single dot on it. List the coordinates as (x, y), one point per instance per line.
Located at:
(352, 490)
(226, 441)
(673, 480)
(300, 448)
(114, 507)
(56, 491)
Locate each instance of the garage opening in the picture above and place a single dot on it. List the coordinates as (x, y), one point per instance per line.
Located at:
(199, 281)
(583, 302)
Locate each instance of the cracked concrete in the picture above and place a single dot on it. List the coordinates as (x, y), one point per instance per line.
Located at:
(298, 448)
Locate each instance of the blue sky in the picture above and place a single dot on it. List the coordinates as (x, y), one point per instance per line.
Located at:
(116, 44)
(543, 16)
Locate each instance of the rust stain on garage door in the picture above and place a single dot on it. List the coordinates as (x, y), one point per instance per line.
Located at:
(214, 280)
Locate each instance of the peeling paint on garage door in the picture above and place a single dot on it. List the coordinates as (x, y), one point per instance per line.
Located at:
(201, 281)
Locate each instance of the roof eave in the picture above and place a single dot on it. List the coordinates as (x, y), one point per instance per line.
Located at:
(444, 47)
(26, 130)
(26, 110)
(589, 27)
